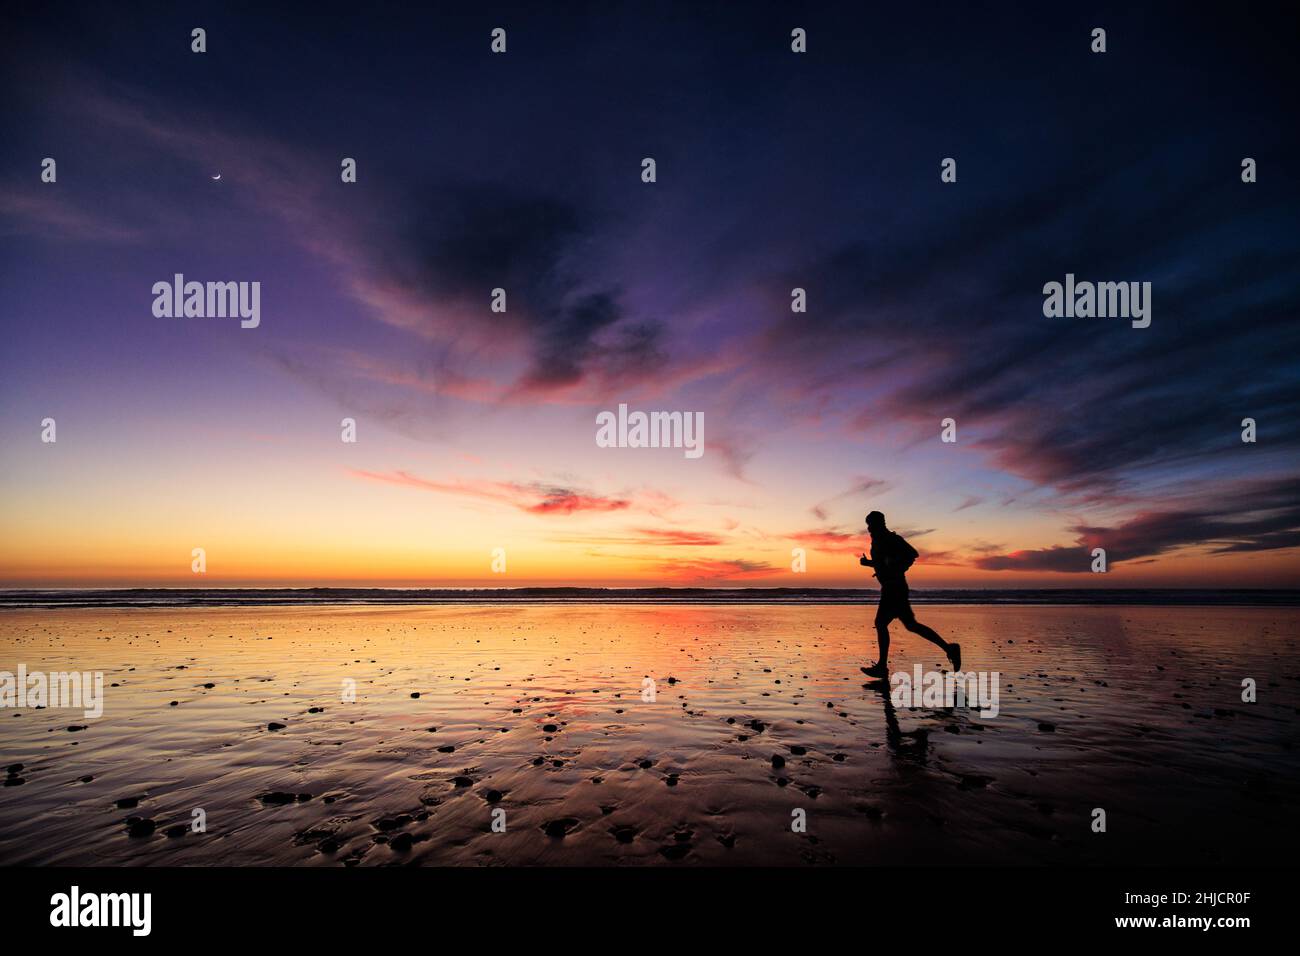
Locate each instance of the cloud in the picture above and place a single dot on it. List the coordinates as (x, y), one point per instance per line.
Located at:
(651, 537)
(847, 542)
(51, 216)
(448, 247)
(716, 570)
(423, 258)
(828, 539)
(676, 538)
(950, 559)
(1264, 541)
(1056, 558)
(1255, 516)
(534, 498)
(862, 486)
(736, 449)
(1088, 408)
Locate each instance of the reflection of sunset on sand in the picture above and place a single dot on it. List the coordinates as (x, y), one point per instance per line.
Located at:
(538, 711)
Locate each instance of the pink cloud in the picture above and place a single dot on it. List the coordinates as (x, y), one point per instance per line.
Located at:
(534, 497)
(716, 570)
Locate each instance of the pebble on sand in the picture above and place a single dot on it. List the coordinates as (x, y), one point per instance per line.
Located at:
(624, 832)
(140, 827)
(559, 829)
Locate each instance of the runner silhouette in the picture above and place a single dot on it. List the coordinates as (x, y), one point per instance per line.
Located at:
(891, 556)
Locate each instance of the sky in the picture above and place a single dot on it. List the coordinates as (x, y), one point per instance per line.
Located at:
(774, 170)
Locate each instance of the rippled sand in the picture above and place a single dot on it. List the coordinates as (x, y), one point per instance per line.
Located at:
(537, 711)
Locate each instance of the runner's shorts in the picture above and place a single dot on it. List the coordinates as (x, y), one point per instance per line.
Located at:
(894, 603)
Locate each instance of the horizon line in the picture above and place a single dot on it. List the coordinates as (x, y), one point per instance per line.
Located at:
(597, 587)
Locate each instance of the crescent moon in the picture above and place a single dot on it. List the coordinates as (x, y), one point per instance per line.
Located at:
(217, 176)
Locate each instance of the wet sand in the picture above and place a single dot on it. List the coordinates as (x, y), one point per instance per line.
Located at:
(759, 712)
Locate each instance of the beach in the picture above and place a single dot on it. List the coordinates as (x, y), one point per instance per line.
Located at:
(522, 735)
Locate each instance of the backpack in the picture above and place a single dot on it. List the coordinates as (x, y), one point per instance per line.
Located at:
(904, 556)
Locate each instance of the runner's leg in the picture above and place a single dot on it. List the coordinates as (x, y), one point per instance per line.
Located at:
(916, 627)
(951, 648)
(884, 614)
